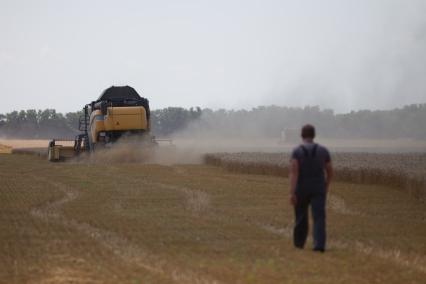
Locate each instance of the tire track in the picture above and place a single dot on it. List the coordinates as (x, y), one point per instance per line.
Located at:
(123, 249)
(338, 205)
(196, 201)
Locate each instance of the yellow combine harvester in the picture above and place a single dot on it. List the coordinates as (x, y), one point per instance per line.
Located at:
(118, 112)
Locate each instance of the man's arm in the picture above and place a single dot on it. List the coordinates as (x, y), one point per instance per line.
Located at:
(293, 175)
(328, 175)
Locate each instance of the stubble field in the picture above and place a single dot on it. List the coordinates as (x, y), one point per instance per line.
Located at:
(145, 223)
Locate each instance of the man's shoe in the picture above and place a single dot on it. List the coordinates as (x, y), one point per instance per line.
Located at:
(319, 249)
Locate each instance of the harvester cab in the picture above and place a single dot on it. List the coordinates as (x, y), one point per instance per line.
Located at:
(118, 112)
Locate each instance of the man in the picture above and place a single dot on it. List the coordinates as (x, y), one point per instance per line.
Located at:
(310, 176)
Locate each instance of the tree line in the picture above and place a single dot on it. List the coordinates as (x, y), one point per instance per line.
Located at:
(263, 121)
(46, 124)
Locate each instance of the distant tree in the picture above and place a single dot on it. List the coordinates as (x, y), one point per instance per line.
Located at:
(73, 118)
(2, 122)
(169, 120)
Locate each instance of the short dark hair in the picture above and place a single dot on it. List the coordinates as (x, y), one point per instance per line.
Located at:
(308, 131)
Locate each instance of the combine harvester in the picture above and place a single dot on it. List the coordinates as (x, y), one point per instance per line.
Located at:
(119, 112)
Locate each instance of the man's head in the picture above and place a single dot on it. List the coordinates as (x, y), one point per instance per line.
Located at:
(308, 132)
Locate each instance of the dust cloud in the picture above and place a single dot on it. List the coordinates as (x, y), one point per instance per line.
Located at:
(137, 150)
(209, 136)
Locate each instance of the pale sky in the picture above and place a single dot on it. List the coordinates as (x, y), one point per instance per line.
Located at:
(339, 54)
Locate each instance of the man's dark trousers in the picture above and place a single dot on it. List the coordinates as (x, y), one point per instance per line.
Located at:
(314, 195)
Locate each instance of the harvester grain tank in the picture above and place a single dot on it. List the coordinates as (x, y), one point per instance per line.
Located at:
(118, 112)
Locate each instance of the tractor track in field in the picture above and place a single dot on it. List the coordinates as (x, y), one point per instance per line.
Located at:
(338, 205)
(128, 252)
(196, 201)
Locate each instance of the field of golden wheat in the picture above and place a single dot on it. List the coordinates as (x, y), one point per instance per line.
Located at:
(406, 171)
(24, 143)
(5, 149)
(121, 222)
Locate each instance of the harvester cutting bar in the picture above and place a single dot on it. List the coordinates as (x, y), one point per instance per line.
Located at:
(58, 151)
(61, 149)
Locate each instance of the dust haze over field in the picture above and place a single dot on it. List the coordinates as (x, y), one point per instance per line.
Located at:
(136, 152)
(208, 135)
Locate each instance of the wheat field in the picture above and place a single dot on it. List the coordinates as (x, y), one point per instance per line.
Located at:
(405, 171)
(146, 223)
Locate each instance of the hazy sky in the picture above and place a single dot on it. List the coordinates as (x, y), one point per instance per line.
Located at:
(340, 54)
